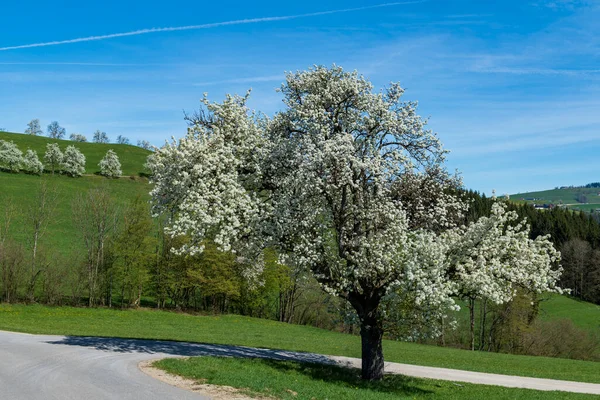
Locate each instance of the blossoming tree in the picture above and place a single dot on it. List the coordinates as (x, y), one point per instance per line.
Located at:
(73, 163)
(32, 163)
(110, 166)
(53, 157)
(492, 257)
(11, 158)
(332, 182)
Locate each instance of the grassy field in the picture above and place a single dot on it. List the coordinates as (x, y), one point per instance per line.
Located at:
(586, 207)
(132, 158)
(554, 306)
(584, 315)
(61, 234)
(568, 196)
(289, 380)
(238, 330)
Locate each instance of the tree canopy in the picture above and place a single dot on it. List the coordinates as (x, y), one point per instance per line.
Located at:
(345, 182)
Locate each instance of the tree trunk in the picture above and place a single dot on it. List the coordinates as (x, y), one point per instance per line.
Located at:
(472, 319)
(372, 352)
(482, 324)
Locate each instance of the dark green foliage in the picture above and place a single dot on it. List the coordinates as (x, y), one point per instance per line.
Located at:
(133, 254)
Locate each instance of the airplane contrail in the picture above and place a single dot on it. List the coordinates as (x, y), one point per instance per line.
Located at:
(204, 26)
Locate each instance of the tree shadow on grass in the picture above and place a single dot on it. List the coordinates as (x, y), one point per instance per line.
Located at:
(186, 349)
(398, 385)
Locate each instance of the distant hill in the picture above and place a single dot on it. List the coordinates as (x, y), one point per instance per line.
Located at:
(20, 188)
(132, 158)
(576, 198)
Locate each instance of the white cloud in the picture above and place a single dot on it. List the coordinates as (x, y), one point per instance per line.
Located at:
(203, 26)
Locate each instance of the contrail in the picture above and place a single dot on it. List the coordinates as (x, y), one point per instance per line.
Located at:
(204, 26)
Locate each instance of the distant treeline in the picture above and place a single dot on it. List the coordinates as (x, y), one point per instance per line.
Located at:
(588, 186)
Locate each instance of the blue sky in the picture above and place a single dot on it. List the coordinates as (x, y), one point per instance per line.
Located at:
(511, 87)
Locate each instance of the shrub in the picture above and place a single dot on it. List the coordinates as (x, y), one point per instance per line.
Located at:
(561, 338)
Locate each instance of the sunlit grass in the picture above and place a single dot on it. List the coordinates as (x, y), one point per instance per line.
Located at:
(292, 380)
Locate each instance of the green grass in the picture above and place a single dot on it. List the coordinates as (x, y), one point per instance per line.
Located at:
(554, 307)
(237, 330)
(292, 380)
(584, 315)
(586, 207)
(566, 196)
(61, 234)
(132, 158)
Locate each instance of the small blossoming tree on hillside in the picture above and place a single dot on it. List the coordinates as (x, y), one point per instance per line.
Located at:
(110, 166)
(73, 163)
(11, 158)
(32, 163)
(53, 157)
(345, 182)
(78, 137)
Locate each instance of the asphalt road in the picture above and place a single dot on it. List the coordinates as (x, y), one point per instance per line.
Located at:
(49, 367)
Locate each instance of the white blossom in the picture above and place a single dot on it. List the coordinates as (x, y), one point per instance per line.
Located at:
(493, 256)
(32, 163)
(73, 162)
(110, 166)
(349, 184)
(204, 181)
(11, 158)
(53, 156)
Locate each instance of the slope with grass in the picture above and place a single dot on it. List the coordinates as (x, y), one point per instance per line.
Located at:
(583, 314)
(19, 189)
(61, 233)
(132, 158)
(553, 307)
(568, 196)
(245, 331)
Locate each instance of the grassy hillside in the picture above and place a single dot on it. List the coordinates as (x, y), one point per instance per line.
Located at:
(584, 315)
(568, 196)
(61, 234)
(238, 330)
(132, 158)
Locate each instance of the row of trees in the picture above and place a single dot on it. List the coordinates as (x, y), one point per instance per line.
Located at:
(55, 131)
(70, 162)
(123, 255)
